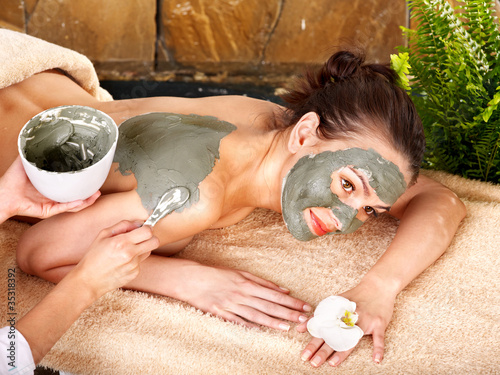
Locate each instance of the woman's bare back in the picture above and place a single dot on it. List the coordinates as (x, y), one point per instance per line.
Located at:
(225, 197)
(20, 102)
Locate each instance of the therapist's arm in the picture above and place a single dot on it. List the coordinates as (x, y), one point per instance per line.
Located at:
(112, 261)
(44, 325)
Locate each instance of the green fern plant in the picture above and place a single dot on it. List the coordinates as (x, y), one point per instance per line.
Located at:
(455, 81)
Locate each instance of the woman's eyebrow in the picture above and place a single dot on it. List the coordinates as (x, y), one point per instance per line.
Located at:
(383, 208)
(366, 191)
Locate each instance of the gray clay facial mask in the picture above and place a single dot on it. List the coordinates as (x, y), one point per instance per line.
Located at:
(167, 150)
(307, 185)
(67, 140)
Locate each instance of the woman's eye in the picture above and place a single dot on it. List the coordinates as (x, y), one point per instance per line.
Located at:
(370, 211)
(347, 186)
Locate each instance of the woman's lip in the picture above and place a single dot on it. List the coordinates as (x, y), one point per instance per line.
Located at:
(319, 228)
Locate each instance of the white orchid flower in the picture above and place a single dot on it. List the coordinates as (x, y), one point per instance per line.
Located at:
(335, 322)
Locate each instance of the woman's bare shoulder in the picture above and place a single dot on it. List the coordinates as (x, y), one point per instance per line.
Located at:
(196, 217)
(238, 110)
(242, 110)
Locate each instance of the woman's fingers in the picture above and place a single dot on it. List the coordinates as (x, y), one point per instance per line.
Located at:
(259, 317)
(130, 240)
(141, 257)
(339, 357)
(270, 294)
(137, 252)
(311, 348)
(75, 207)
(302, 327)
(317, 352)
(231, 317)
(242, 298)
(255, 302)
(149, 245)
(133, 233)
(272, 311)
(378, 345)
(264, 282)
(143, 235)
(123, 226)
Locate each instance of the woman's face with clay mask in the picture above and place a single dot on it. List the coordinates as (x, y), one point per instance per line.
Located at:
(336, 191)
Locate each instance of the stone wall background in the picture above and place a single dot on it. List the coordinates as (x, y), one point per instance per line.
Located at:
(209, 39)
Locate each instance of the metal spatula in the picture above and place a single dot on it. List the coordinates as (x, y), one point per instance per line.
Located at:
(170, 201)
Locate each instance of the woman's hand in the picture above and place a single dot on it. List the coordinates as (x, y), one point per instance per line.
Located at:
(374, 306)
(427, 207)
(114, 257)
(21, 198)
(241, 297)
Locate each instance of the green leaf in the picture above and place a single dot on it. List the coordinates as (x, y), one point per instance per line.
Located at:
(401, 65)
(454, 63)
(492, 106)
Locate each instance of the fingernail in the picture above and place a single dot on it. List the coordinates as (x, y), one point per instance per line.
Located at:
(377, 358)
(284, 326)
(315, 361)
(307, 308)
(334, 361)
(302, 318)
(306, 355)
(284, 289)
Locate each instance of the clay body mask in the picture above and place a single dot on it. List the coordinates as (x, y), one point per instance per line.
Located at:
(66, 141)
(307, 185)
(167, 150)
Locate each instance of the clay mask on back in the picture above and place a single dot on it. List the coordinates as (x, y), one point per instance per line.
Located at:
(307, 185)
(166, 150)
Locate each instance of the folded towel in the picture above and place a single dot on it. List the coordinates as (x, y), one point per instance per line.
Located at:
(445, 322)
(22, 55)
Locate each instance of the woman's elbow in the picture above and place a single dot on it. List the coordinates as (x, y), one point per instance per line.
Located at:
(459, 208)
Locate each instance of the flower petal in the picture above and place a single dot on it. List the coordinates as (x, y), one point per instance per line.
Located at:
(334, 305)
(342, 339)
(327, 323)
(314, 327)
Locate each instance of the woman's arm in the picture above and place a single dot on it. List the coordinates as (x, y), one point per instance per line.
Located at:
(429, 216)
(233, 295)
(51, 248)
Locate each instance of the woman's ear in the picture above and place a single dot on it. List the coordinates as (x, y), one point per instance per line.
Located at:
(304, 132)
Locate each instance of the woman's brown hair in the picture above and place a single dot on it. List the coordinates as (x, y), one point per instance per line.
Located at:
(353, 98)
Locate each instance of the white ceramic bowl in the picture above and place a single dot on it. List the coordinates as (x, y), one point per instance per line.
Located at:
(73, 185)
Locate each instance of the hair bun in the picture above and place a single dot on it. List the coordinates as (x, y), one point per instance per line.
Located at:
(342, 65)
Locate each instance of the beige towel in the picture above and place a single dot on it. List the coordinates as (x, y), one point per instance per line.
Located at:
(445, 322)
(22, 55)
